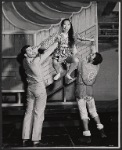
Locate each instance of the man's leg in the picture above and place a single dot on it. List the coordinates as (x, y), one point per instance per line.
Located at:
(28, 120)
(39, 108)
(92, 110)
(85, 119)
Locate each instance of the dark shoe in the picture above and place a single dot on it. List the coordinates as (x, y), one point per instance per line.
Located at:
(102, 134)
(39, 144)
(85, 140)
(26, 143)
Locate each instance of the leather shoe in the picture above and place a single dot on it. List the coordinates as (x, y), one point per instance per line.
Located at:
(39, 144)
(102, 134)
(26, 143)
(85, 140)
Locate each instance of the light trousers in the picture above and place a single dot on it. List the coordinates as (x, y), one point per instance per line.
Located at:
(84, 96)
(34, 115)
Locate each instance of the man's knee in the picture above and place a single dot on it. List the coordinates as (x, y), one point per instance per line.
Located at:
(82, 108)
(91, 106)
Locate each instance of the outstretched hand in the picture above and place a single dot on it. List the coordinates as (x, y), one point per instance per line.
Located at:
(92, 40)
(83, 38)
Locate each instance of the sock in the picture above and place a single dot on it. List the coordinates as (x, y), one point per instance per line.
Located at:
(100, 126)
(86, 133)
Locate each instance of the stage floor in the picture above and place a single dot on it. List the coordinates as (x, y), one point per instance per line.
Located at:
(64, 135)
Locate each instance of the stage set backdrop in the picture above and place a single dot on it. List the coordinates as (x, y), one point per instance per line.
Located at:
(35, 22)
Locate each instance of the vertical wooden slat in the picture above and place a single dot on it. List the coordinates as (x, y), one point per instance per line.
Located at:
(17, 43)
(22, 42)
(88, 18)
(7, 45)
(75, 20)
(42, 35)
(83, 20)
(19, 98)
(3, 22)
(12, 42)
(96, 18)
(3, 42)
(92, 15)
(31, 37)
(34, 39)
(80, 22)
(6, 24)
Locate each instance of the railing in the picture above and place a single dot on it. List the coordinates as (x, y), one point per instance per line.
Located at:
(108, 31)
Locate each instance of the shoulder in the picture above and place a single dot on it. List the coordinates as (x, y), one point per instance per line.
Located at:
(94, 69)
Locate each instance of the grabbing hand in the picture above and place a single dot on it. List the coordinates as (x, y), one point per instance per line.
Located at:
(41, 51)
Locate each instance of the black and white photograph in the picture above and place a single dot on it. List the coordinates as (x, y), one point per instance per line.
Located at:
(60, 74)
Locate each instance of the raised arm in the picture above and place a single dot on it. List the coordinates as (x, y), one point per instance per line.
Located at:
(47, 42)
(93, 48)
(48, 52)
(84, 38)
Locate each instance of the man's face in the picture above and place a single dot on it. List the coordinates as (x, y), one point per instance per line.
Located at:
(91, 57)
(31, 52)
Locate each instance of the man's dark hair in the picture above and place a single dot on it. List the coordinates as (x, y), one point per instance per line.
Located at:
(98, 59)
(21, 56)
(23, 50)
